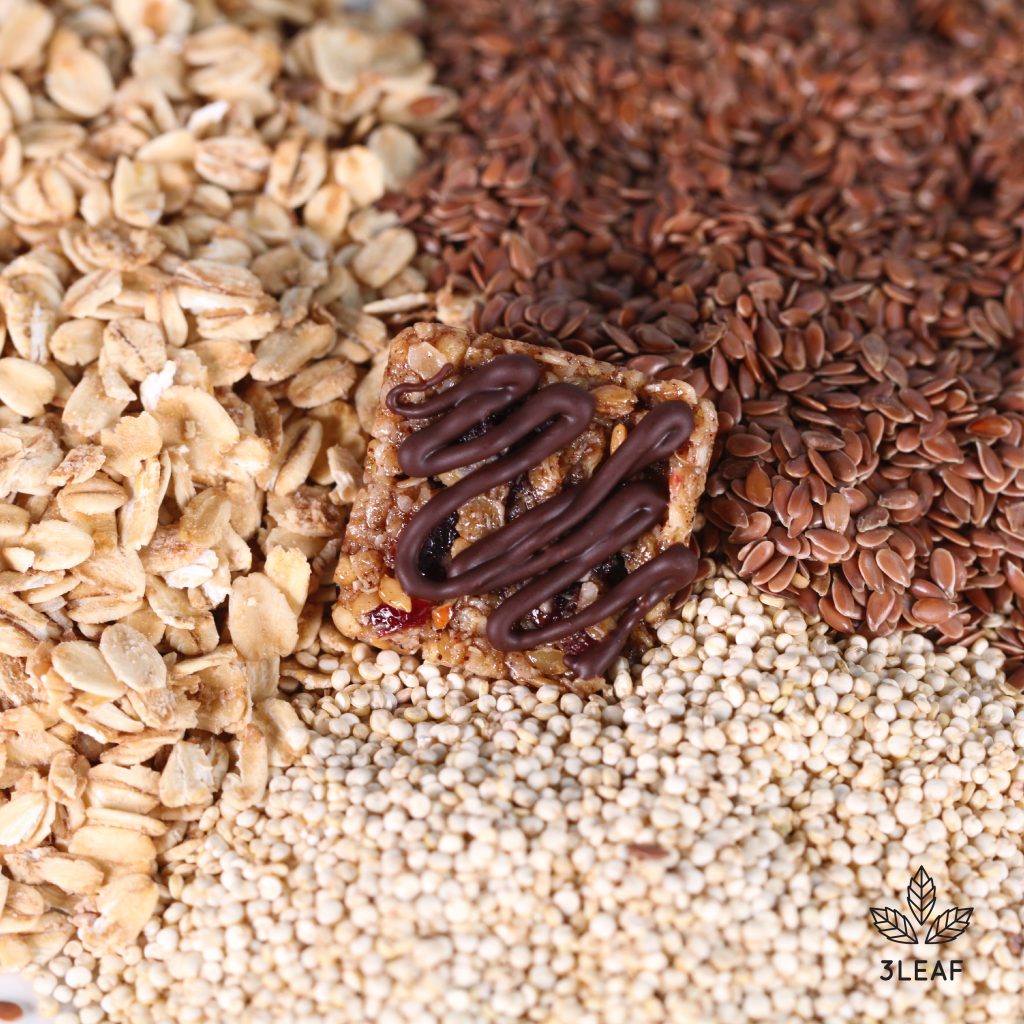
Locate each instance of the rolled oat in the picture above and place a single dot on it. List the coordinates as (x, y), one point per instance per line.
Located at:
(188, 239)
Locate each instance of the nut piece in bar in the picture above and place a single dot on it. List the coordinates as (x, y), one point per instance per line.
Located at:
(525, 511)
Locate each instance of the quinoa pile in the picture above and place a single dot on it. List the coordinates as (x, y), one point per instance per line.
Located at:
(701, 843)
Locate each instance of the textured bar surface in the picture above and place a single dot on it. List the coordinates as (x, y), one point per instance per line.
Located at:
(372, 606)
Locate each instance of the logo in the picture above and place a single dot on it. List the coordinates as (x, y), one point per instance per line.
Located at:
(896, 926)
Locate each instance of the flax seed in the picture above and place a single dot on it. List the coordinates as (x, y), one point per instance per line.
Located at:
(870, 358)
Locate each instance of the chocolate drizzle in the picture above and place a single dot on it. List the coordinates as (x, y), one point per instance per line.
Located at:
(553, 545)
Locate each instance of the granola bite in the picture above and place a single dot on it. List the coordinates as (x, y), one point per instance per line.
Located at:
(525, 512)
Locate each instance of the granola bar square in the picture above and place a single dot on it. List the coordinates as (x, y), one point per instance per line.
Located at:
(373, 604)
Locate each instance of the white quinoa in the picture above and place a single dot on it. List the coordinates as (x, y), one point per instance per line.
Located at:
(703, 844)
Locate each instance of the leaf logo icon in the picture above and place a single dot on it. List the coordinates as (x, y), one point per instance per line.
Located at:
(921, 895)
(897, 927)
(893, 925)
(950, 924)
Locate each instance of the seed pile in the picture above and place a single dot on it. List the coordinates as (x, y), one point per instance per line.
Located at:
(805, 210)
(704, 843)
(193, 296)
(211, 220)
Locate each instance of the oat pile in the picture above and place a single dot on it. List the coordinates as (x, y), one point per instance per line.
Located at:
(702, 843)
(196, 289)
(809, 211)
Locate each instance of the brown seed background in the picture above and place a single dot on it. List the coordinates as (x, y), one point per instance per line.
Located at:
(810, 212)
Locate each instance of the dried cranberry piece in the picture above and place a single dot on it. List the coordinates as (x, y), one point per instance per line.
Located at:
(516, 499)
(611, 570)
(561, 606)
(384, 619)
(535, 618)
(577, 643)
(438, 548)
(478, 429)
